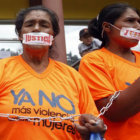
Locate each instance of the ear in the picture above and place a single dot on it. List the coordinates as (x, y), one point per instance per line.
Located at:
(106, 27)
(20, 37)
(53, 42)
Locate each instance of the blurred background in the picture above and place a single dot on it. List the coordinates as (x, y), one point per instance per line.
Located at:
(77, 14)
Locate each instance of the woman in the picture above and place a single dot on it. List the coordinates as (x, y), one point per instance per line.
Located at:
(115, 69)
(38, 95)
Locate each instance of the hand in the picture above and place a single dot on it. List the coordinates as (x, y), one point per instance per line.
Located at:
(88, 124)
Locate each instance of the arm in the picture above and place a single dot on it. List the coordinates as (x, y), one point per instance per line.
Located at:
(102, 86)
(87, 120)
(126, 105)
(87, 124)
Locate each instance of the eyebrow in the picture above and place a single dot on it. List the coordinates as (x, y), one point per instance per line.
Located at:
(32, 21)
(132, 16)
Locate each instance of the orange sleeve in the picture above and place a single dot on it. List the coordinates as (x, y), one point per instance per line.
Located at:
(98, 77)
(2, 74)
(1, 70)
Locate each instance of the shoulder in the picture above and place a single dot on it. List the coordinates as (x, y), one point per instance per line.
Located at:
(7, 65)
(98, 58)
(8, 60)
(81, 45)
(65, 69)
(69, 73)
(98, 54)
(136, 52)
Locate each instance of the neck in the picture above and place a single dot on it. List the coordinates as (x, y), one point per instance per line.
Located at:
(38, 61)
(123, 52)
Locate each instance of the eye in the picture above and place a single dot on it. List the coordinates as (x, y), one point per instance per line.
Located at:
(131, 20)
(28, 24)
(45, 25)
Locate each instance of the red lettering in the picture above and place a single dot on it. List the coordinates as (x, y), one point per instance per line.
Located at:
(38, 38)
(47, 39)
(135, 34)
(126, 32)
(131, 33)
(42, 38)
(33, 38)
(28, 38)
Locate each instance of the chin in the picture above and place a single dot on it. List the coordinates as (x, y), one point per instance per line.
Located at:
(37, 46)
(131, 43)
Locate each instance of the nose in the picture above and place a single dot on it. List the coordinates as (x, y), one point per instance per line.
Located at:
(36, 28)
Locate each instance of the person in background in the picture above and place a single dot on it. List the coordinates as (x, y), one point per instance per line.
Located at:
(113, 72)
(39, 95)
(88, 42)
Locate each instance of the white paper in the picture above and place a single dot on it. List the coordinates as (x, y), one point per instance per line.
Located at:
(37, 38)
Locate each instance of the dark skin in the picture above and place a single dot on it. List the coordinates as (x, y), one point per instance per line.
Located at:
(128, 102)
(37, 57)
(87, 124)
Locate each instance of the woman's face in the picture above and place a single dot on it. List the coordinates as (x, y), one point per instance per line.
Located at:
(128, 19)
(37, 21)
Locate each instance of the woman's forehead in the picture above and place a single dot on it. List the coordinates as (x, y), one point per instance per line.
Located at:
(129, 12)
(37, 14)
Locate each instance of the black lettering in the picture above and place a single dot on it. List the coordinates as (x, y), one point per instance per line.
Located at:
(36, 111)
(53, 123)
(73, 131)
(69, 128)
(64, 126)
(47, 123)
(58, 125)
(52, 114)
(28, 110)
(15, 110)
(44, 112)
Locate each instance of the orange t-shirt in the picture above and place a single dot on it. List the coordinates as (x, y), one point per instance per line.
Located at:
(106, 73)
(58, 91)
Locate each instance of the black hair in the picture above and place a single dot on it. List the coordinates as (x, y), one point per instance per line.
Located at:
(110, 14)
(22, 14)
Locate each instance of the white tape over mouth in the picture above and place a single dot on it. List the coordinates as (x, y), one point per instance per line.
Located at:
(37, 38)
(131, 33)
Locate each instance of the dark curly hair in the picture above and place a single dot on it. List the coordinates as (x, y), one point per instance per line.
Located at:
(22, 14)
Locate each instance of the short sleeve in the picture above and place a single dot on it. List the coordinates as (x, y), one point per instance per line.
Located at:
(98, 77)
(1, 70)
